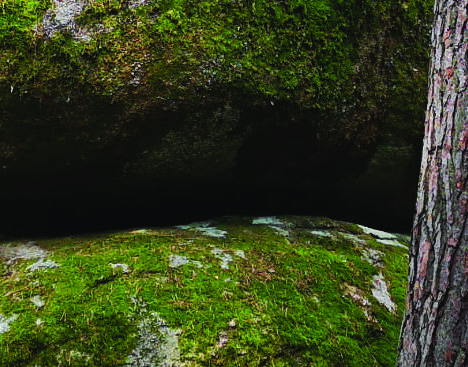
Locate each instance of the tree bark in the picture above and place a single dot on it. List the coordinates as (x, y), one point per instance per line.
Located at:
(435, 326)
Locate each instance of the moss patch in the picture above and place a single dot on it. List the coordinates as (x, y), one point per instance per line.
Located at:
(280, 300)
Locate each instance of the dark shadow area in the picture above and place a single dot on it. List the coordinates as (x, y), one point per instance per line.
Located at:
(167, 206)
(171, 169)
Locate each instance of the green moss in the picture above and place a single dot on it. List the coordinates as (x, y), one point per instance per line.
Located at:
(296, 51)
(286, 299)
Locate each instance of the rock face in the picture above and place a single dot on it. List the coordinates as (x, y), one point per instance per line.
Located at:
(125, 107)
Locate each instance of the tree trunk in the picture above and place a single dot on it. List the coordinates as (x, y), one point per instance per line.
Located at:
(435, 327)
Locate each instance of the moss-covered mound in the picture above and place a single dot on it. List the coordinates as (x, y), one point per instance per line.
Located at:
(289, 291)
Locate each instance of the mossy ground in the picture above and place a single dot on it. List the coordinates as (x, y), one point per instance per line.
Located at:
(282, 304)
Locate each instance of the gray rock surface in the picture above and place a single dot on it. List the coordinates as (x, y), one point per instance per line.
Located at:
(385, 238)
(38, 302)
(123, 267)
(42, 265)
(158, 344)
(225, 258)
(274, 223)
(381, 294)
(25, 251)
(5, 323)
(205, 228)
(176, 261)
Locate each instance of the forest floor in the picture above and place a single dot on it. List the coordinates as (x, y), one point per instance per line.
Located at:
(234, 291)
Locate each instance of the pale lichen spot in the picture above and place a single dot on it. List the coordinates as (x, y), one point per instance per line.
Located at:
(381, 294)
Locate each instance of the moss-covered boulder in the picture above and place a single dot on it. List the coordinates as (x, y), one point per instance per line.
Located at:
(162, 98)
(233, 291)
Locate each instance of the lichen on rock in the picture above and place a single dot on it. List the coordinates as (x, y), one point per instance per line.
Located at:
(29, 250)
(5, 322)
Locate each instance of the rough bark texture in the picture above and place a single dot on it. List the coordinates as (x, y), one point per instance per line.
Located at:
(435, 326)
